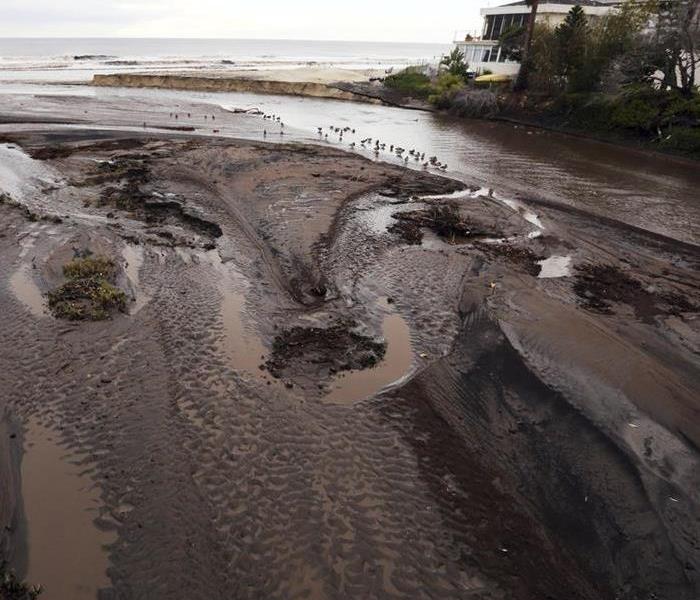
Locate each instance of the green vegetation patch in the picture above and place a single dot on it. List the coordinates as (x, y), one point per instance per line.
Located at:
(411, 82)
(89, 294)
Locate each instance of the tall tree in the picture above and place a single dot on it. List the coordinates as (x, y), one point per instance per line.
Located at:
(574, 44)
(521, 82)
(671, 50)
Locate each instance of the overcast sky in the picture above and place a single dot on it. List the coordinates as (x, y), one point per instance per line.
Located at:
(380, 20)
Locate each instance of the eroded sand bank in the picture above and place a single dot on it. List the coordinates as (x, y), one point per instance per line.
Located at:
(305, 82)
(540, 438)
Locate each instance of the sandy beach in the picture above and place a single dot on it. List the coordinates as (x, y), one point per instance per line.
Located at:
(338, 377)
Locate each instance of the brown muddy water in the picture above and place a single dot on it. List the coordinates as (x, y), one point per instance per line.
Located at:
(26, 290)
(354, 386)
(67, 553)
(650, 191)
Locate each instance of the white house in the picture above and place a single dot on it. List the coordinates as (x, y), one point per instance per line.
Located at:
(482, 51)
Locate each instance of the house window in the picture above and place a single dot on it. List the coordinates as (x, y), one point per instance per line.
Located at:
(494, 54)
(497, 25)
(488, 31)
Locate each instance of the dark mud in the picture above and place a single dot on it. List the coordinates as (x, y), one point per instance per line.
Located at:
(444, 219)
(519, 443)
(601, 286)
(339, 347)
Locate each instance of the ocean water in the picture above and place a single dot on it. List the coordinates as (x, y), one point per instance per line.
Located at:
(63, 60)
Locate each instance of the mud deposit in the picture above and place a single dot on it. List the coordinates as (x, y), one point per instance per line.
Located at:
(330, 377)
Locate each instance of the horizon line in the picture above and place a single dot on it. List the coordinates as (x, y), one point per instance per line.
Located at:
(242, 39)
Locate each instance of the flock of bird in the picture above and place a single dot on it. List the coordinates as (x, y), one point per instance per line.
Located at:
(365, 144)
(378, 147)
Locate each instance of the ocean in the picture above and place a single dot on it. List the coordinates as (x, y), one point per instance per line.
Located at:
(63, 60)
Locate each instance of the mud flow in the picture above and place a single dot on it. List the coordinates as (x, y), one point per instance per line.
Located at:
(238, 369)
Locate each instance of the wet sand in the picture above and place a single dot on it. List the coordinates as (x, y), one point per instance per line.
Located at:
(300, 403)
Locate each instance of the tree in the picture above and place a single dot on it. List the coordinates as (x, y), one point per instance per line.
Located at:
(456, 63)
(521, 82)
(574, 44)
(669, 50)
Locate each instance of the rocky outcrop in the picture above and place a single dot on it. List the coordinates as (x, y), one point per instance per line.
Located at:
(230, 84)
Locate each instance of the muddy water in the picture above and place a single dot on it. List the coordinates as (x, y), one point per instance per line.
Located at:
(67, 554)
(359, 385)
(649, 191)
(133, 261)
(244, 349)
(26, 290)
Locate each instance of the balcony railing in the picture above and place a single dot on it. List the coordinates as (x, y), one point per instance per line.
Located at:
(472, 35)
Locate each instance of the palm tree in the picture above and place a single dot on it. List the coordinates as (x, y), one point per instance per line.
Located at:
(522, 81)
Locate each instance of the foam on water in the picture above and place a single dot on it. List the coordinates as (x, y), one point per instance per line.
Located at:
(21, 176)
(555, 266)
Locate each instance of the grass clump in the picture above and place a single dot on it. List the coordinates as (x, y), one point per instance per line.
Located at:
(89, 294)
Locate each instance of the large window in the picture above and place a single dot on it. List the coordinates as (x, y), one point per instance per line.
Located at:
(495, 25)
(488, 27)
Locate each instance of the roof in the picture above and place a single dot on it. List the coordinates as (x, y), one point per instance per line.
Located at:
(567, 2)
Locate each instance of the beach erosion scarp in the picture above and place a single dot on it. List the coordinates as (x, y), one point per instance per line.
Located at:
(314, 89)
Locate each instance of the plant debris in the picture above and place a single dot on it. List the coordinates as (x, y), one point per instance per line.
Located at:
(338, 348)
(444, 219)
(12, 588)
(89, 294)
(521, 258)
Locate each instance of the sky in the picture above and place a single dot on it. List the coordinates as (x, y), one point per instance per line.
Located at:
(371, 20)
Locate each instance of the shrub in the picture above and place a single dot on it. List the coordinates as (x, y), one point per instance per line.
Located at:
(474, 103)
(445, 89)
(635, 114)
(685, 140)
(411, 82)
(456, 64)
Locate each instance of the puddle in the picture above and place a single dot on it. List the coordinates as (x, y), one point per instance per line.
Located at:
(555, 266)
(243, 347)
(66, 552)
(26, 290)
(133, 257)
(358, 385)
